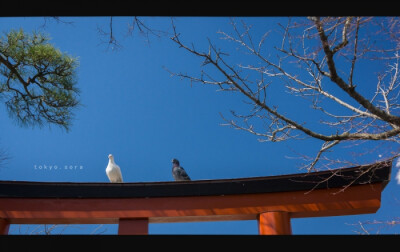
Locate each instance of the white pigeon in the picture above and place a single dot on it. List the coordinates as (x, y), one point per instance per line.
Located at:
(113, 171)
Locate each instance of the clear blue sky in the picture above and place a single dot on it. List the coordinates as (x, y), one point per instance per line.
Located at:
(135, 110)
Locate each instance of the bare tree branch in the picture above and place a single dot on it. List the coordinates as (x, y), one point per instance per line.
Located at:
(347, 88)
(340, 39)
(109, 37)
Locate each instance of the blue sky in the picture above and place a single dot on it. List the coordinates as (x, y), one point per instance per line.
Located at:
(134, 109)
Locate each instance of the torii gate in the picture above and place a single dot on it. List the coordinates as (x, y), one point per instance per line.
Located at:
(271, 200)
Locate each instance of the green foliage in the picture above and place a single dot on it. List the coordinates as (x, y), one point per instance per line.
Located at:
(37, 81)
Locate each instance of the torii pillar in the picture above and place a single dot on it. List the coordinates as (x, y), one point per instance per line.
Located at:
(133, 226)
(4, 226)
(274, 223)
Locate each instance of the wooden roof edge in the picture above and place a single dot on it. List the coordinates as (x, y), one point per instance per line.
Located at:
(378, 172)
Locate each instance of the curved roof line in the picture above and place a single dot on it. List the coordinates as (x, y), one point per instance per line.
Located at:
(338, 178)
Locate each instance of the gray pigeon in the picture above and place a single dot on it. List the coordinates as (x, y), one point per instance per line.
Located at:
(178, 172)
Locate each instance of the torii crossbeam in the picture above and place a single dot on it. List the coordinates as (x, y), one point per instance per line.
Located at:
(272, 200)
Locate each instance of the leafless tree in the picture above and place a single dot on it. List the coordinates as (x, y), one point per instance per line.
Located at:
(375, 226)
(108, 37)
(318, 59)
(58, 20)
(143, 29)
(137, 24)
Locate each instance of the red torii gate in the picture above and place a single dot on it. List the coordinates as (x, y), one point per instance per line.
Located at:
(271, 200)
